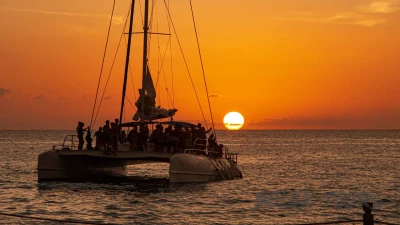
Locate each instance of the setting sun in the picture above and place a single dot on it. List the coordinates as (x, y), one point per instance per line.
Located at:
(233, 121)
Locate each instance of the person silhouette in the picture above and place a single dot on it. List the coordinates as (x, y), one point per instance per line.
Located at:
(107, 133)
(99, 138)
(79, 131)
(89, 139)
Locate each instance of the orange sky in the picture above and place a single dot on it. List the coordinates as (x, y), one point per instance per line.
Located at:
(289, 64)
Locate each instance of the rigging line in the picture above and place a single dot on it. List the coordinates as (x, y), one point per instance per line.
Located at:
(130, 72)
(163, 71)
(166, 84)
(158, 57)
(184, 59)
(130, 103)
(112, 65)
(166, 87)
(170, 52)
(150, 28)
(133, 84)
(153, 4)
(141, 13)
(102, 63)
(162, 67)
(172, 71)
(162, 62)
(202, 68)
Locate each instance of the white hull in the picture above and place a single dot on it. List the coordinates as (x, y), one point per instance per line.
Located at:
(201, 168)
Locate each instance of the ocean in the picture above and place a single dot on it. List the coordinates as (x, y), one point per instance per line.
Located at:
(289, 177)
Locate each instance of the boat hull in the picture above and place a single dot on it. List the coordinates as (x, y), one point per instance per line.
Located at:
(94, 164)
(52, 166)
(201, 168)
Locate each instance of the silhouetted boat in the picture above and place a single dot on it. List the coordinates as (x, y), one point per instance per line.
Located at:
(200, 163)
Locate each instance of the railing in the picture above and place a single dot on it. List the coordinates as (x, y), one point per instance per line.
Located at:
(233, 156)
(68, 144)
(202, 145)
(200, 142)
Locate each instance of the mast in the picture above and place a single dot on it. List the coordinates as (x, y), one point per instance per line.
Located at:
(144, 72)
(128, 50)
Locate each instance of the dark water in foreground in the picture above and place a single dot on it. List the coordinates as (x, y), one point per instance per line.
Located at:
(289, 177)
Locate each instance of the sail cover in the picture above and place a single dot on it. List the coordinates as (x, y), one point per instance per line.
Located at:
(151, 112)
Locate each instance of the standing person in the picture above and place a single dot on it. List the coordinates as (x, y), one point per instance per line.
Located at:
(79, 131)
(201, 133)
(193, 134)
(89, 139)
(115, 134)
(133, 138)
(143, 136)
(157, 138)
(188, 138)
(99, 138)
(166, 138)
(122, 137)
(181, 138)
(106, 133)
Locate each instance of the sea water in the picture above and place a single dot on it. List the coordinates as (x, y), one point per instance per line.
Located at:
(289, 177)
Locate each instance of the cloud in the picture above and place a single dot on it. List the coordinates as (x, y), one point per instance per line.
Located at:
(340, 18)
(117, 19)
(214, 95)
(301, 121)
(356, 19)
(107, 97)
(369, 22)
(4, 91)
(382, 7)
(63, 98)
(382, 120)
(369, 15)
(40, 97)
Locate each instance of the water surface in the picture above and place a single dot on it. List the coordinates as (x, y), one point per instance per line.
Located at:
(289, 177)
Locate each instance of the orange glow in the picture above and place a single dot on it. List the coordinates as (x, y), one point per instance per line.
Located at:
(283, 64)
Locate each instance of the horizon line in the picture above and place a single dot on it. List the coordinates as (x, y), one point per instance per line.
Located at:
(344, 129)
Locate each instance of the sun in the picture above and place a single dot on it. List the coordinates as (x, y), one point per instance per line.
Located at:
(233, 121)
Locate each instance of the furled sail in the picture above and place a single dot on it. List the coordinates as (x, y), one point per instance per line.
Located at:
(150, 90)
(151, 112)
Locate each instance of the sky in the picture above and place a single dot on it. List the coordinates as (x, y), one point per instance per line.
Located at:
(289, 64)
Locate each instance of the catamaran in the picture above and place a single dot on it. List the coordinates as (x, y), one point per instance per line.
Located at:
(202, 162)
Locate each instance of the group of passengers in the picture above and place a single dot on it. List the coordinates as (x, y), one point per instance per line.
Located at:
(138, 138)
(178, 138)
(109, 135)
(174, 139)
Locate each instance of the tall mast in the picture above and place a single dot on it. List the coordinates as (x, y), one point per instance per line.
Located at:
(128, 50)
(144, 73)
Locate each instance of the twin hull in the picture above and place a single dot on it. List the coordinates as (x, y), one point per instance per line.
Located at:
(73, 164)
